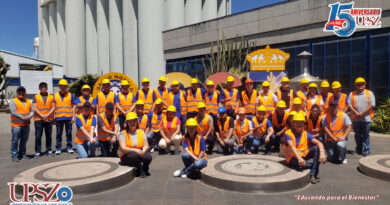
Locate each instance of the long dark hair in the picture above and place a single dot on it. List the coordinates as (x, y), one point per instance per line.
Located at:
(313, 107)
(128, 127)
(187, 135)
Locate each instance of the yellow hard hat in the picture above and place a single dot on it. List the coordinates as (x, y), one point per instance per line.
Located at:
(131, 116)
(281, 104)
(158, 101)
(191, 122)
(106, 81)
(201, 105)
(297, 101)
(336, 84)
(63, 82)
(175, 82)
(163, 78)
(262, 108)
(209, 82)
(171, 108)
(230, 79)
(299, 117)
(145, 80)
(324, 84)
(313, 85)
(85, 87)
(285, 79)
(265, 84)
(194, 81)
(292, 113)
(303, 81)
(360, 80)
(139, 102)
(124, 82)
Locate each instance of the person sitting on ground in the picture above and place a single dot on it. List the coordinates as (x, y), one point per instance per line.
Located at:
(262, 130)
(298, 152)
(85, 136)
(279, 121)
(244, 131)
(170, 132)
(194, 157)
(134, 146)
(108, 129)
(313, 123)
(155, 117)
(224, 132)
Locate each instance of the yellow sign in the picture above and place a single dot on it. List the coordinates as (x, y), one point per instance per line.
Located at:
(267, 59)
(115, 80)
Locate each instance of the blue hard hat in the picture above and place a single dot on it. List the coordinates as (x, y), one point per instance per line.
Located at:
(221, 110)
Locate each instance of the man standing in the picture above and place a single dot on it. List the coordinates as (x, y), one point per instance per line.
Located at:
(177, 98)
(64, 115)
(230, 97)
(146, 95)
(285, 93)
(195, 95)
(21, 113)
(266, 98)
(105, 96)
(362, 103)
(339, 97)
(248, 98)
(44, 107)
(124, 103)
(302, 93)
(212, 100)
(162, 92)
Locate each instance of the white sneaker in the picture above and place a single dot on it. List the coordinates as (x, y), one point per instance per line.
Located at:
(183, 176)
(151, 150)
(177, 173)
(345, 161)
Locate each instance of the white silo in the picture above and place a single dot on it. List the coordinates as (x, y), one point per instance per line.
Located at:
(91, 37)
(221, 8)
(75, 38)
(103, 36)
(174, 14)
(53, 32)
(36, 48)
(209, 10)
(40, 25)
(45, 33)
(116, 43)
(151, 58)
(193, 11)
(61, 36)
(130, 41)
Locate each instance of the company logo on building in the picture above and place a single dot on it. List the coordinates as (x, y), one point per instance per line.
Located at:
(344, 19)
(40, 194)
(267, 59)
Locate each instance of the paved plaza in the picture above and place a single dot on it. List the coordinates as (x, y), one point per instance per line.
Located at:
(162, 188)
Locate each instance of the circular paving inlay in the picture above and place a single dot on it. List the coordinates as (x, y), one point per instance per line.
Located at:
(81, 175)
(377, 166)
(253, 173)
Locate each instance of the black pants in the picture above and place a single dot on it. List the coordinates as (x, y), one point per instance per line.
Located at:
(121, 121)
(105, 147)
(39, 127)
(132, 159)
(314, 166)
(210, 141)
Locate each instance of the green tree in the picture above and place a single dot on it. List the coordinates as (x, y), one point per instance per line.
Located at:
(89, 79)
(4, 67)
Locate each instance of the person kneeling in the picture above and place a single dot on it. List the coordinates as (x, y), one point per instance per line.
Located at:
(224, 132)
(297, 151)
(170, 132)
(134, 146)
(85, 139)
(194, 158)
(262, 130)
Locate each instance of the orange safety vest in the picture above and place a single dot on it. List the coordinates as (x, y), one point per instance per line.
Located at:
(129, 142)
(24, 110)
(244, 130)
(249, 104)
(302, 147)
(259, 132)
(342, 101)
(169, 131)
(148, 100)
(337, 129)
(309, 103)
(64, 108)
(183, 103)
(163, 97)
(82, 100)
(143, 124)
(269, 104)
(211, 105)
(310, 125)
(125, 102)
(326, 103)
(155, 122)
(103, 136)
(279, 95)
(275, 122)
(192, 102)
(224, 131)
(196, 150)
(87, 125)
(234, 99)
(301, 95)
(203, 127)
(44, 108)
(102, 100)
(368, 103)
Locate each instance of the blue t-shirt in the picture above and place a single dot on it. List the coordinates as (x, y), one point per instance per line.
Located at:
(116, 98)
(298, 137)
(176, 103)
(73, 103)
(78, 101)
(161, 91)
(145, 93)
(210, 96)
(148, 121)
(202, 144)
(269, 124)
(230, 93)
(79, 123)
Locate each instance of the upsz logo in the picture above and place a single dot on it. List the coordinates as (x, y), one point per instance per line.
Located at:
(40, 193)
(344, 19)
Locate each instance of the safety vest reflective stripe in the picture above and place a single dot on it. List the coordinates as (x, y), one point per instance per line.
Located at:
(232, 103)
(302, 147)
(23, 110)
(244, 130)
(192, 102)
(129, 142)
(211, 105)
(279, 95)
(169, 131)
(43, 107)
(183, 103)
(337, 129)
(259, 132)
(103, 136)
(87, 125)
(249, 103)
(368, 103)
(148, 100)
(196, 149)
(103, 100)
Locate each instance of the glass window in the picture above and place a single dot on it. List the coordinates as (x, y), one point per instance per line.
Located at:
(330, 61)
(358, 57)
(379, 64)
(344, 50)
(318, 60)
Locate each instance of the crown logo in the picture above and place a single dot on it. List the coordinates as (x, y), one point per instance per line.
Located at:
(267, 59)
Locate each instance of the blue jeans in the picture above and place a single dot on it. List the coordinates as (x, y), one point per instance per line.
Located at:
(68, 131)
(247, 144)
(191, 166)
(19, 136)
(314, 166)
(336, 151)
(82, 149)
(105, 147)
(362, 136)
(39, 126)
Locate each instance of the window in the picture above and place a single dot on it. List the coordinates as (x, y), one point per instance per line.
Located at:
(379, 64)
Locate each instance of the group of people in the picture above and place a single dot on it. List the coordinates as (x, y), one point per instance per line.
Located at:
(311, 123)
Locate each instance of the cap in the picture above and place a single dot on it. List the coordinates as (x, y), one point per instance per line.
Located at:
(21, 89)
(313, 85)
(221, 110)
(324, 84)
(297, 101)
(191, 122)
(124, 82)
(299, 117)
(85, 87)
(194, 81)
(292, 113)
(171, 108)
(285, 79)
(334, 103)
(261, 108)
(230, 79)
(281, 104)
(303, 81)
(175, 82)
(139, 102)
(163, 78)
(336, 84)
(241, 110)
(87, 104)
(131, 116)
(209, 82)
(248, 80)
(63, 82)
(201, 105)
(158, 101)
(106, 81)
(265, 84)
(360, 80)
(110, 105)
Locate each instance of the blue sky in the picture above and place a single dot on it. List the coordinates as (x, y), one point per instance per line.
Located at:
(19, 22)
